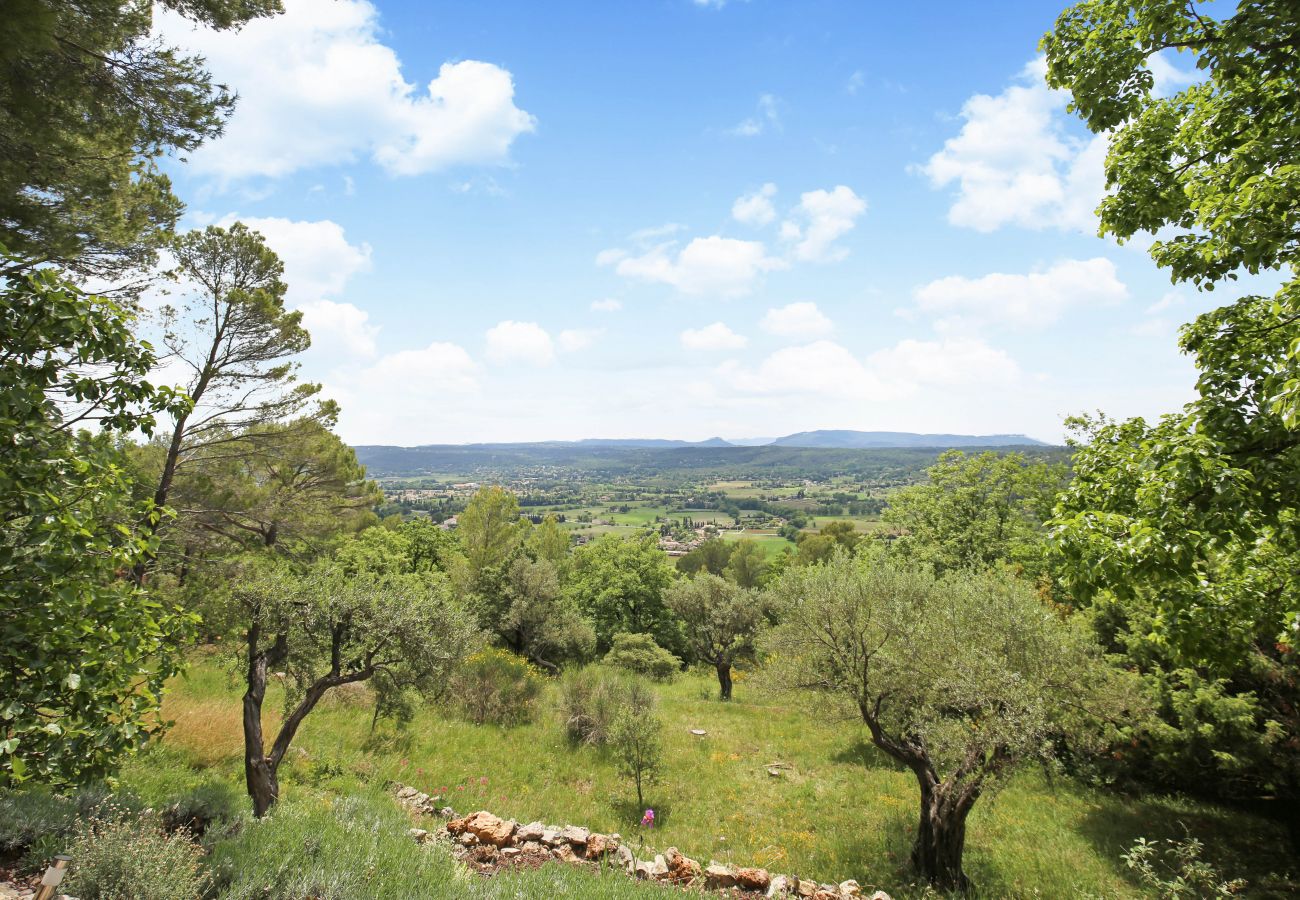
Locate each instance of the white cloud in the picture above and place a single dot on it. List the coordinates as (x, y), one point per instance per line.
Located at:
(821, 218)
(609, 304)
(822, 367)
(755, 208)
(952, 362)
(439, 367)
(519, 342)
(573, 339)
(1032, 300)
(709, 265)
(318, 263)
(318, 259)
(768, 117)
(318, 87)
(856, 82)
(712, 337)
(339, 327)
(797, 320)
(1013, 161)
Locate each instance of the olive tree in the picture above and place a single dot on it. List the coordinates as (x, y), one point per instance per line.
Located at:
(959, 678)
(722, 621)
(329, 627)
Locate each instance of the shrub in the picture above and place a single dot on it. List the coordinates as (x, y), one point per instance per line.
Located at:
(640, 654)
(636, 736)
(130, 858)
(590, 699)
(497, 686)
(200, 807)
(26, 815)
(1178, 871)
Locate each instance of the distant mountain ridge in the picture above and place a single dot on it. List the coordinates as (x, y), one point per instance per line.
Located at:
(822, 440)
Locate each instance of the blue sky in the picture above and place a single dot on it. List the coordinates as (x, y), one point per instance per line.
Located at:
(524, 221)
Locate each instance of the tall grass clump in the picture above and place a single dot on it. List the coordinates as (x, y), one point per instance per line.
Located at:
(590, 699)
(329, 849)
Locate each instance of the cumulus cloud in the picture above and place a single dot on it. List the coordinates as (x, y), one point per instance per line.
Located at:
(318, 263)
(797, 320)
(822, 367)
(708, 265)
(1015, 163)
(519, 342)
(339, 327)
(609, 304)
(755, 208)
(439, 367)
(712, 337)
(573, 339)
(820, 219)
(952, 362)
(318, 87)
(768, 118)
(1031, 300)
(825, 368)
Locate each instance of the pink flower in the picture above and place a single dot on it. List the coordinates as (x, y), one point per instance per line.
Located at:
(483, 780)
(648, 820)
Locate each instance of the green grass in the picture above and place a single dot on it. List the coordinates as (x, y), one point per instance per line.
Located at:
(839, 811)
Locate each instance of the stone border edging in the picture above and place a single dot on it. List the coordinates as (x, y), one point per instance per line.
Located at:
(494, 839)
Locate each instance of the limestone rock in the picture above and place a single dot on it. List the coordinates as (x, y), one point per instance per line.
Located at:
(881, 895)
(574, 835)
(420, 836)
(447, 812)
(510, 852)
(599, 845)
(827, 892)
(806, 888)
(681, 868)
(489, 829)
(468, 838)
(850, 888)
(551, 837)
(753, 879)
(533, 831)
(456, 827)
(782, 886)
(406, 793)
(530, 846)
(625, 858)
(564, 853)
(717, 877)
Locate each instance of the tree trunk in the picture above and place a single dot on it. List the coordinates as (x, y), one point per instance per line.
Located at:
(259, 771)
(941, 836)
(724, 680)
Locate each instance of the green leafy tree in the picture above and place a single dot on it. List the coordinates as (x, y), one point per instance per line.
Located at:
(619, 584)
(1189, 523)
(236, 340)
(550, 542)
(712, 556)
(89, 102)
(747, 566)
(332, 626)
(491, 535)
(723, 621)
(977, 511)
(541, 623)
(960, 679)
(84, 652)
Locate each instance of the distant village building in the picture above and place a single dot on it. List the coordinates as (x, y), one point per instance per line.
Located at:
(449, 524)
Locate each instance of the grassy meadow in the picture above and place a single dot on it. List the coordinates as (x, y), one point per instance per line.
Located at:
(838, 809)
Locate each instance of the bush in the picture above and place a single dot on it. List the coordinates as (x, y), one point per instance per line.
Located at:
(497, 686)
(590, 699)
(201, 807)
(636, 736)
(640, 654)
(1178, 871)
(27, 815)
(130, 858)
